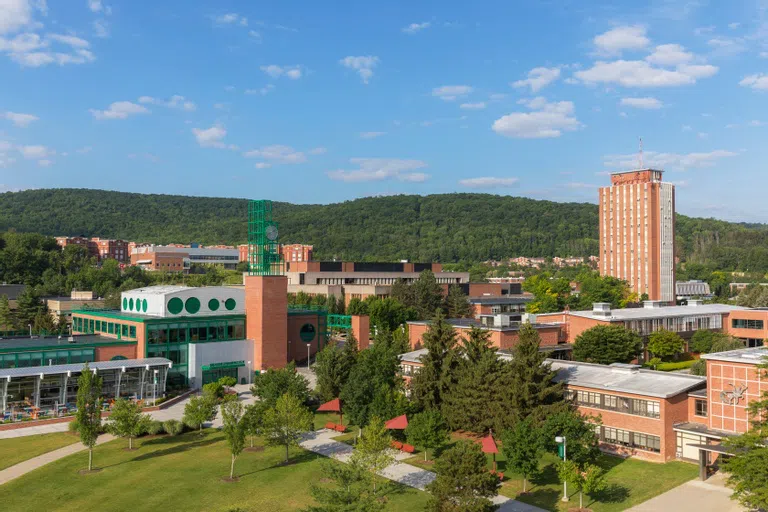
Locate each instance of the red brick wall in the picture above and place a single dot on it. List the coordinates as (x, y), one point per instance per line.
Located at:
(107, 353)
(297, 348)
(499, 339)
(266, 306)
(724, 376)
(361, 328)
(746, 315)
(704, 420)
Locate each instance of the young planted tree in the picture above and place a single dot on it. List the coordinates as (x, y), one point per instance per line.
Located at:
(234, 430)
(522, 446)
(286, 422)
(350, 493)
(463, 481)
(607, 344)
(253, 420)
(271, 385)
(579, 431)
(665, 344)
(126, 420)
(428, 385)
(198, 410)
(228, 382)
(89, 410)
(587, 480)
(372, 453)
(429, 430)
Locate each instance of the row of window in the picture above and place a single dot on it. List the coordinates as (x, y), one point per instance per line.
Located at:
(636, 406)
(186, 332)
(741, 323)
(47, 358)
(629, 439)
(91, 326)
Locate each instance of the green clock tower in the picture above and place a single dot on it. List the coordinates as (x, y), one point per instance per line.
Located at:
(264, 258)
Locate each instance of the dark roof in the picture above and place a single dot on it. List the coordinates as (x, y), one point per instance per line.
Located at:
(498, 301)
(471, 322)
(20, 344)
(698, 428)
(64, 368)
(12, 291)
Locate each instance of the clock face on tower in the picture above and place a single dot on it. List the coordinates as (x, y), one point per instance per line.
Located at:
(271, 233)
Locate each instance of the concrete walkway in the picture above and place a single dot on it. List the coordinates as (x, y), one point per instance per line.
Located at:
(694, 496)
(322, 442)
(22, 468)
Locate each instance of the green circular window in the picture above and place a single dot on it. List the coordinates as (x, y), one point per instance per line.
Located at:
(175, 305)
(307, 333)
(125, 303)
(230, 304)
(192, 305)
(144, 305)
(130, 304)
(118, 358)
(213, 304)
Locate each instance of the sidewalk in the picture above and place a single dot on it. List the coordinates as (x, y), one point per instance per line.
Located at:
(694, 496)
(322, 442)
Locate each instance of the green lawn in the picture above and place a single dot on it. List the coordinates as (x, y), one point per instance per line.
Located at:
(19, 449)
(179, 473)
(629, 481)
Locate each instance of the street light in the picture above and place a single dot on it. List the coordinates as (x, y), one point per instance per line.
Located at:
(561, 440)
(154, 389)
(250, 372)
(308, 345)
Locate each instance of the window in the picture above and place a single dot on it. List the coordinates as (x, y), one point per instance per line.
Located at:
(700, 407)
(132, 332)
(740, 323)
(646, 442)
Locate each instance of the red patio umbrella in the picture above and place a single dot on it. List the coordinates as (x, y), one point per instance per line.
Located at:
(332, 406)
(399, 423)
(489, 446)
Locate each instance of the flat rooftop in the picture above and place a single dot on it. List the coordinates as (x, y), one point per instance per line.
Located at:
(21, 343)
(465, 323)
(413, 357)
(660, 312)
(499, 301)
(754, 355)
(625, 379)
(61, 369)
(141, 317)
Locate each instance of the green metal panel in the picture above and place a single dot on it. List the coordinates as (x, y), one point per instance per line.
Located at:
(340, 321)
(264, 258)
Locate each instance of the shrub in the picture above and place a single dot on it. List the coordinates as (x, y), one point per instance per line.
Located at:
(670, 367)
(699, 367)
(228, 382)
(154, 428)
(173, 427)
(73, 426)
(214, 390)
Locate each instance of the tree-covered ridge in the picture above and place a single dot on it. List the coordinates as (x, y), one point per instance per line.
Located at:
(445, 227)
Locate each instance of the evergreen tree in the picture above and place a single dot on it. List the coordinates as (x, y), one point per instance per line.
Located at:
(357, 307)
(463, 482)
(372, 452)
(332, 367)
(523, 449)
(427, 294)
(234, 430)
(126, 420)
(428, 430)
(403, 292)
(607, 344)
(28, 307)
(7, 318)
(286, 422)
(429, 383)
(457, 304)
(89, 410)
(532, 389)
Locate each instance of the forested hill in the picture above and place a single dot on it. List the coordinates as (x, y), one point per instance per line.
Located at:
(447, 227)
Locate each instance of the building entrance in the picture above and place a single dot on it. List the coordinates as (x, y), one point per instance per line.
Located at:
(215, 374)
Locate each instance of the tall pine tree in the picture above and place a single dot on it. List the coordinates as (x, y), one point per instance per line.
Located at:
(7, 319)
(532, 390)
(429, 384)
(457, 304)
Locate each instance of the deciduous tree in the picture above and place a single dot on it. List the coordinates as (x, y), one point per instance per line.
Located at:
(89, 409)
(350, 493)
(286, 422)
(665, 344)
(607, 344)
(522, 447)
(126, 420)
(276, 382)
(198, 410)
(234, 430)
(372, 453)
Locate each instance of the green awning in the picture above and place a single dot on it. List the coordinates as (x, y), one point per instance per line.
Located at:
(217, 366)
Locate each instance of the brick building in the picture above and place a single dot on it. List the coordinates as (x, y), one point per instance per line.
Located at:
(99, 248)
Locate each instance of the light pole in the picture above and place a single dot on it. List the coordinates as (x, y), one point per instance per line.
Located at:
(30, 330)
(250, 372)
(154, 388)
(561, 440)
(308, 346)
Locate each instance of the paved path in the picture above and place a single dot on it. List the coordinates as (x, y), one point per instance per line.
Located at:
(22, 468)
(322, 442)
(694, 496)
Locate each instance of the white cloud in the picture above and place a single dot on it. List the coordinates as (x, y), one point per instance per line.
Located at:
(36, 152)
(275, 71)
(73, 41)
(638, 73)
(669, 55)
(21, 120)
(31, 50)
(176, 101)
(757, 81)
(626, 37)
(668, 160)
(488, 182)
(318, 151)
(378, 169)
(416, 27)
(119, 110)
(703, 135)
(84, 150)
(14, 14)
(538, 78)
(100, 28)
(480, 105)
(755, 122)
(363, 64)
(371, 135)
(231, 18)
(497, 96)
(547, 120)
(644, 103)
(686, 128)
(278, 153)
(45, 162)
(764, 55)
(229, 88)
(263, 91)
(727, 46)
(451, 92)
(262, 165)
(97, 6)
(212, 137)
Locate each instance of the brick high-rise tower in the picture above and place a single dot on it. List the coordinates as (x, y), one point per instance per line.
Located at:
(637, 232)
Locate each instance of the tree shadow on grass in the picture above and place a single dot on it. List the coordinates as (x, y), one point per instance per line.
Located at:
(613, 493)
(300, 458)
(177, 448)
(542, 497)
(546, 475)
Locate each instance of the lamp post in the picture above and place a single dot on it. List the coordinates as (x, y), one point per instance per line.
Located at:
(308, 346)
(30, 329)
(250, 373)
(561, 440)
(154, 388)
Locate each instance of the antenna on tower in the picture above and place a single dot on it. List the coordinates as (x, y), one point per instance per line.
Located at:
(640, 154)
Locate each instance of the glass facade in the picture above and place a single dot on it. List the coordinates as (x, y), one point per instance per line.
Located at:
(688, 323)
(740, 323)
(635, 406)
(636, 440)
(46, 358)
(89, 326)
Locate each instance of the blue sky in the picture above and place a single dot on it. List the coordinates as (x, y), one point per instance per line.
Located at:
(317, 102)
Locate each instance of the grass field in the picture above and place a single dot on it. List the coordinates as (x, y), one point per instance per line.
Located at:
(629, 482)
(19, 449)
(180, 473)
